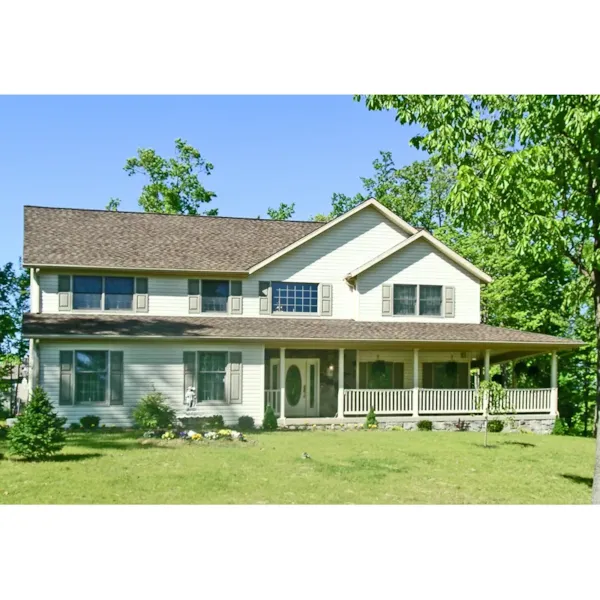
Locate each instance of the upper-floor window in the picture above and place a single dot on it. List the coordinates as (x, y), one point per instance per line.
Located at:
(88, 291)
(118, 293)
(214, 295)
(295, 297)
(405, 299)
(428, 298)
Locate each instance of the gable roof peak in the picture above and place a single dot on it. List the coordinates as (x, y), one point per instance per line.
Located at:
(423, 234)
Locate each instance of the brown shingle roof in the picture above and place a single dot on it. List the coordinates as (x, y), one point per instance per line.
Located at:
(279, 328)
(135, 240)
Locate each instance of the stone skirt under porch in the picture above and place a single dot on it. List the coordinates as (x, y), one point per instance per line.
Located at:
(541, 424)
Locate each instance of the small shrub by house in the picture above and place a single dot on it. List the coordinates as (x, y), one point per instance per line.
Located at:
(90, 422)
(245, 423)
(269, 420)
(371, 420)
(495, 426)
(153, 412)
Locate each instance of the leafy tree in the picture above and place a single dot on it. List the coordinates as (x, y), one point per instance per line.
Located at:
(528, 169)
(38, 432)
(14, 301)
(174, 185)
(415, 192)
(283, 213)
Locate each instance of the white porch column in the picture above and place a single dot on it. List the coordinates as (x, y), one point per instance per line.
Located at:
(415, 410)
(486, 377)
(282, 384)
(340, 410)
(34, 291)
(554, 385)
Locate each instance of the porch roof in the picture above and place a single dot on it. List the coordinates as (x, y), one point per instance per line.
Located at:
(288, 329)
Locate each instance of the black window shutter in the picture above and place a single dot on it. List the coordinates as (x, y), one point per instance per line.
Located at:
(116, 378)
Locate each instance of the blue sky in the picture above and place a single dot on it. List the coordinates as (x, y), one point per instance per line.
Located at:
(69, 151)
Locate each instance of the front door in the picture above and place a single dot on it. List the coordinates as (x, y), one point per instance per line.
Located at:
(301, 387)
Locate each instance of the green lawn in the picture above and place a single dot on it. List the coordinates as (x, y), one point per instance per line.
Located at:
(357, 467)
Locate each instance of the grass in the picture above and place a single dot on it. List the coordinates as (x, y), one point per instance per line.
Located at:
(360, 467)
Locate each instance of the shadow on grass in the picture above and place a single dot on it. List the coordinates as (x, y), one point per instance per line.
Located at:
(578, 479)
(104, 444)
(59, 458)
(73, 457)
(359, 466)
(522, 444)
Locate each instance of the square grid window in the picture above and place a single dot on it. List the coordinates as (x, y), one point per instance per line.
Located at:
(295, 297)
(91, 376)
(212, 370)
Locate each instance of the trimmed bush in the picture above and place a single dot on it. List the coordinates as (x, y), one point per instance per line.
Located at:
(153, 412)
(269, 420)
(495, 426)
(38, 433)
(215, 422)
(560, 427)
(202, 423)
(90, 422)
(371, 420)
(245, 423)
(75, 426)
(425, 425)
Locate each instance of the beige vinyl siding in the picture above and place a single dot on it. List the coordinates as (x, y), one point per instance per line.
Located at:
(158, 364)
(419, 264)
(328, 258)
(49, 292)
(406, 356)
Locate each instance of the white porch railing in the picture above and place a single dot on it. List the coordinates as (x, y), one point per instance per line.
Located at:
(444, 402)
(273, 398)
(384, 402)
(441, 402)
(525, 401)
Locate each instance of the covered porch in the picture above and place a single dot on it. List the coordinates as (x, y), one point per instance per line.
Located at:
(400, 381)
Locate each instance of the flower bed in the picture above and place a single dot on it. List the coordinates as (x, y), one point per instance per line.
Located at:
(195, 436)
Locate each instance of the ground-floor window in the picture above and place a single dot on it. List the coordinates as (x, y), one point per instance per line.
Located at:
(381, 375)
(446, 375)
(91, 376)
(212, 370)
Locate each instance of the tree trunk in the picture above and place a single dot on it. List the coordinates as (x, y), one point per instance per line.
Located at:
(596, 485)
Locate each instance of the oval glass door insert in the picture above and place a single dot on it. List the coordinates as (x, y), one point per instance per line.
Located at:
(293, 385)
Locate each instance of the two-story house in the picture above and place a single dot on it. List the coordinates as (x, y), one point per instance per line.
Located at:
(319, 320)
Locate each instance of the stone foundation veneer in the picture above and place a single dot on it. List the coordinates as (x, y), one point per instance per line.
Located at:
(541, 424)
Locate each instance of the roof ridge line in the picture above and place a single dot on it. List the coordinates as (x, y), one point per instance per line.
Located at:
(136, 212)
